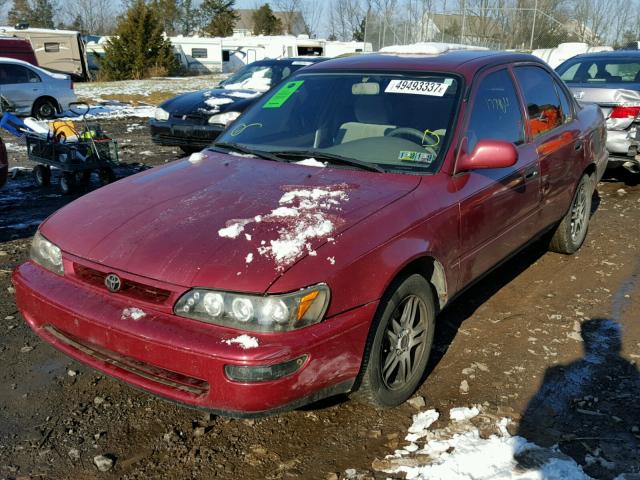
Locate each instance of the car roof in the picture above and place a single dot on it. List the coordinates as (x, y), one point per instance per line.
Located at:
(465, 62)
(15, 60)
(609, 54)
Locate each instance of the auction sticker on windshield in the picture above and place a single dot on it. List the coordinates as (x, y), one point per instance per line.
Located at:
(417, 87)
(283, 94)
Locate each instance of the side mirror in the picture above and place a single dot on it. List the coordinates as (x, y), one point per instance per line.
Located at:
(489, 154)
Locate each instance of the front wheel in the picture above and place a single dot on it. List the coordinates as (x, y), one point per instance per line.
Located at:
(396, 356)
(572, 229)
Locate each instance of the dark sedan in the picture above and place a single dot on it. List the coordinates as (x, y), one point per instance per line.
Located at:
(192, 121)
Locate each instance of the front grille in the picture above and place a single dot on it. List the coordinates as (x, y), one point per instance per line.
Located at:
(130, 288)
(183, 383)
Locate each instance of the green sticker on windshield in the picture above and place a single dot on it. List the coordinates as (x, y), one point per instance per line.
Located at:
(422, 157)
(283, 94)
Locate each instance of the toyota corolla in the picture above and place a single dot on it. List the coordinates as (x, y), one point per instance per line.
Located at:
(310, 251)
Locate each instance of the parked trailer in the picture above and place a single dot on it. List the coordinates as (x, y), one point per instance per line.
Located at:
(565, 51)
(60, 51)
(335, 49)
(199, 54)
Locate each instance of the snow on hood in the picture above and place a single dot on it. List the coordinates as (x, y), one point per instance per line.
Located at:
(305, 215)
(196, 222)
(258, 81)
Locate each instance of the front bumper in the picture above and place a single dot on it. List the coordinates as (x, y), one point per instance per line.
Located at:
(183, 134)
(183, 360)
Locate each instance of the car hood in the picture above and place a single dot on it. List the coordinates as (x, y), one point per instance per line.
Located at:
(220, 221)
(210, 101)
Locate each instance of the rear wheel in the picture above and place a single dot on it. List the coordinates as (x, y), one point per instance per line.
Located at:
(68, 183)
(572, 229)
(398, 351)
(41, 175)
(106, 176)
(44, 109)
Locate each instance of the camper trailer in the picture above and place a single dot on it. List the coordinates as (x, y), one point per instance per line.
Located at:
(240, 50)
(335, 48)
(60, 51)
(199, 54)
(565, 51)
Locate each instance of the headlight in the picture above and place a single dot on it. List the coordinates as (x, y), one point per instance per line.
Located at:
(161, 114)
(224, 118)
(269, 313)
(46, 254)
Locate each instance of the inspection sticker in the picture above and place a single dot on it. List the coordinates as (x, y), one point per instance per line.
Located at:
(417, 87)
(422, 157)
(283, 94)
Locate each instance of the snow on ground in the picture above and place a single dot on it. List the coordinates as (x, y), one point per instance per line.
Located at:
(461, 453)
(304, 215)
(112, 110)
(461, 414)
(244, 341)
(174, 85)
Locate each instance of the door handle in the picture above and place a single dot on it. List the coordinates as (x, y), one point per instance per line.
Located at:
(530, 173)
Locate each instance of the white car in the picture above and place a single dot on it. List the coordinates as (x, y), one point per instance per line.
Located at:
(28, 90)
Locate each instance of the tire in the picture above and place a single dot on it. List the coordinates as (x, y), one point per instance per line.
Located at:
(106, 176)
(68, 183)
(41, 175)
(390, 352)
(572, 229)
(44, 109)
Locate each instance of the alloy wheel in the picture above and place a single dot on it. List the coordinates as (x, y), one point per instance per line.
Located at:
(579, 213)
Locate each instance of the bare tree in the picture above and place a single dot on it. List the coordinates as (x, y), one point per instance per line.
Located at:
(98, 16)
(344, 18)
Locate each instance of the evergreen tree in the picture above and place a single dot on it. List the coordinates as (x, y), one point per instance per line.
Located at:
(189, 17)
(265, 22)
(168, 12)
(76, 25)
(20, 12)
(358, 33)
(218, 17)
(42, 14)
(138, 48)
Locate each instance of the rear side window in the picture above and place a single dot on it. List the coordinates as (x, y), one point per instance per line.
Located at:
(543, 104)
(601, 71)
(496, 113)
(11, 74)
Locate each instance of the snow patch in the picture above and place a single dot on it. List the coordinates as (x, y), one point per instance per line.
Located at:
(132, 313)
(428, 48)
(332, 260)
(311, 162)
(302, 216)
(460, 414)
(196, 157)
(246, 94)
(217, 101)
(249, 258)
(244, 341)
(421, 422)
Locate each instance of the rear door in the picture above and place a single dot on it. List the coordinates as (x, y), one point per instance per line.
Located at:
(497, 203)
(556, 136)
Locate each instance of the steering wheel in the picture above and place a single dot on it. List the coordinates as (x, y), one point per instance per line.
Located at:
(418, 135)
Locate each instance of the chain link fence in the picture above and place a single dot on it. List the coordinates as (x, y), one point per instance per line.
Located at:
(523, 29)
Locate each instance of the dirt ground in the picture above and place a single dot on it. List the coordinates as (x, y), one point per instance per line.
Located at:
(511, 344)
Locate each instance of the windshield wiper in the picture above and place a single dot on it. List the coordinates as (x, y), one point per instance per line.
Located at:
(236, 147)
(332, 158)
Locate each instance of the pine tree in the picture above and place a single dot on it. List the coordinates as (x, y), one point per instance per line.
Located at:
(358, 33)
(218, 17)
(189, 17)
(265, 22)
(138, 48)
(42, 14)
(168, 11)
(20, 12)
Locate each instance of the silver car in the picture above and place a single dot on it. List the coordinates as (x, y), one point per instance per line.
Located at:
(28, 90)
(611, 80)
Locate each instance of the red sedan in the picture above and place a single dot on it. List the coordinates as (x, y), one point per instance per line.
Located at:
(311, 249)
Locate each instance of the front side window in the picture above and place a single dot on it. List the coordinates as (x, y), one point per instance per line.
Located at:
(496, 113)
(543, 104)
(398, 122)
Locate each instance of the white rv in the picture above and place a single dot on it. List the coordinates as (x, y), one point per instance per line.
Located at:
(335, 49)
(565, 51)
(56, 50)
(199, 54)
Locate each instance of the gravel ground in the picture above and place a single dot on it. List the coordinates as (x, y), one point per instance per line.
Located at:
(511, 344)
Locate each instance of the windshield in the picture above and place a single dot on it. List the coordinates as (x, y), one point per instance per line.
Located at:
(258, 77)
(601, 70)
(390, 121)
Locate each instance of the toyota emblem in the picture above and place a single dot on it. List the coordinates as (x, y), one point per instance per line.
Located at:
(113, 282)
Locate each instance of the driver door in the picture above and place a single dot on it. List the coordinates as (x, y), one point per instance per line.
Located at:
(498, 206)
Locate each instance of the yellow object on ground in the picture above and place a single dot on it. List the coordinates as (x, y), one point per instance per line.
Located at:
(64, 130)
